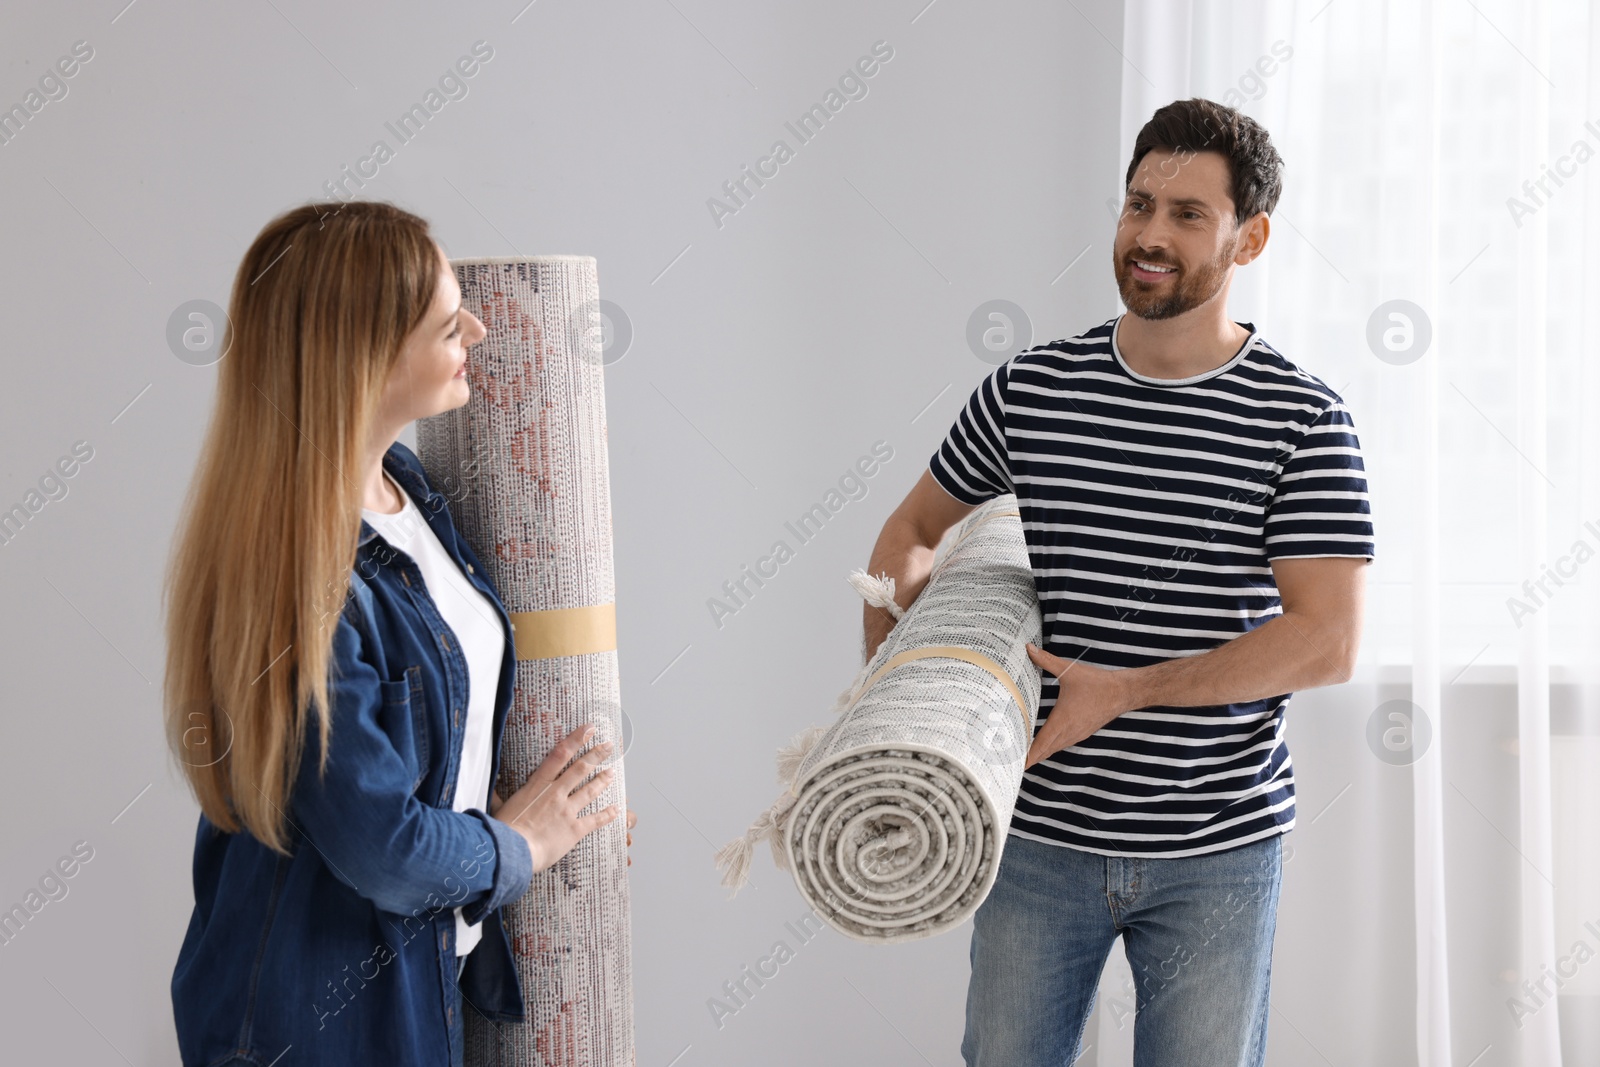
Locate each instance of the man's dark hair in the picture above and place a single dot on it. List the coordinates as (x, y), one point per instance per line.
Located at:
(1199, 125)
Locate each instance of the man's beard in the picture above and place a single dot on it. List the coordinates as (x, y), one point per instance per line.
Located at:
(1189, 289)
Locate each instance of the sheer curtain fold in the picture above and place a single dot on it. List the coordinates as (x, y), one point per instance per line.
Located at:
(1427, 690)
(1540, 1032)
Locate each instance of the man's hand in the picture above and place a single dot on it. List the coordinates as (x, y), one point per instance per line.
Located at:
(905, 551)
(1311, 643)
(1089, 698)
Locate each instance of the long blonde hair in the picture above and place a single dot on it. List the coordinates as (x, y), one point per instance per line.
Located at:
(260, 570)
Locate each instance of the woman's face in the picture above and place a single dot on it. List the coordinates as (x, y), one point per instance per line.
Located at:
(431, 374)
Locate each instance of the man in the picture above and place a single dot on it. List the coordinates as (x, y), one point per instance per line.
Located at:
(1196, 513)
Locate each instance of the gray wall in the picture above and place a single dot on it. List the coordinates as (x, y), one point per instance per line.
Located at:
(768, 353)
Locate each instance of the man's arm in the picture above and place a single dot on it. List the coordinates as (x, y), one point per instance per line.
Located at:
(905, 550)
(1313, 643)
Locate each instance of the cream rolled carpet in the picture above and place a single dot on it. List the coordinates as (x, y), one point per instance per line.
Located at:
(896, 814)
(523, 465)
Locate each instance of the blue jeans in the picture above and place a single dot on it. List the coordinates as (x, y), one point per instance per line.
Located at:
(1197, 931)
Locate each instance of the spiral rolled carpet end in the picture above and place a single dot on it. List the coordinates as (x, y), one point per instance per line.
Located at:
(896, 813)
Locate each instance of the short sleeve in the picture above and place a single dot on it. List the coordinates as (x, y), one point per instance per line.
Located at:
(972, 463)
(1320, 506)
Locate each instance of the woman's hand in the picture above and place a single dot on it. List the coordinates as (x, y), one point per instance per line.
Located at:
(633, 817)
(545, 810)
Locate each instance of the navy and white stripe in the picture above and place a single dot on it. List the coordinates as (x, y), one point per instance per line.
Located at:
(1152, 509)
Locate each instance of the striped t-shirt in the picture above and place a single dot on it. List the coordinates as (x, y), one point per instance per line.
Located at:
(1152, 508)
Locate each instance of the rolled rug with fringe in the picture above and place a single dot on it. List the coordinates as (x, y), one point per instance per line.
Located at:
(895, 815)
(524, 468)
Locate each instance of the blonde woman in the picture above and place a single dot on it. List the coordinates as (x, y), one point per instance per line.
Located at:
(339, 669)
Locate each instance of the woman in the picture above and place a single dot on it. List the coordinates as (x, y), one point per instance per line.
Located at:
(331, 641)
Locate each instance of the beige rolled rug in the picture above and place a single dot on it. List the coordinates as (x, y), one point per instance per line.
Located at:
(895, 814)
(523, 465)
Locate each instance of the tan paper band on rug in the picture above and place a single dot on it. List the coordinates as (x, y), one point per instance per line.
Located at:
(564, 631)
(977, 659)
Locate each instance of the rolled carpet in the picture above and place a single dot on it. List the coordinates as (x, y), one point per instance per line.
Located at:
(896, 814)
(524, 467)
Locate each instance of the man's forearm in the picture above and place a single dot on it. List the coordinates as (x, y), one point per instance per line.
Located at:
(901, 555)
(1283, 655)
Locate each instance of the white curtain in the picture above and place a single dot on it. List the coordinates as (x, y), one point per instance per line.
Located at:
(1446, 155)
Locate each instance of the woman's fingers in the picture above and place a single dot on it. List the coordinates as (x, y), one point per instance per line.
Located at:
(582, 766)
(551, 823)
(596, 785)
(556, 764)
(569, 779)
(549, 769)
(590, 823)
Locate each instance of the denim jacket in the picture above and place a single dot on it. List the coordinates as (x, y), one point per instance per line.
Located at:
(344, 952)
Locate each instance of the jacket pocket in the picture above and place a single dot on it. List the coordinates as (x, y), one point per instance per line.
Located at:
(404, 718)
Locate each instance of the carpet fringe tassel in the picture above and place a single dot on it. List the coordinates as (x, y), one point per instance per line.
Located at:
(734, 858)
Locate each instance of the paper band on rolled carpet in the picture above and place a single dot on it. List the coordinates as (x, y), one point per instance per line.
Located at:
(565, 631)
(896, 814)
(977, 659)
(530, 446)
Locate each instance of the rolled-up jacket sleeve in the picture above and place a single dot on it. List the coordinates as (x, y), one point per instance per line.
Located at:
(370, 828)
(513, 869)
